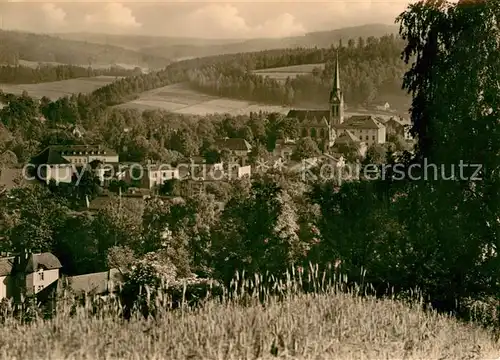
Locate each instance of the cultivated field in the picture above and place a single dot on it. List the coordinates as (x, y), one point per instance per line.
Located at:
(282, 73)
(179, 98)
(320, 326)
(57, 89)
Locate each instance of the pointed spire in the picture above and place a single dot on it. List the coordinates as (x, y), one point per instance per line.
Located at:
(336, 75)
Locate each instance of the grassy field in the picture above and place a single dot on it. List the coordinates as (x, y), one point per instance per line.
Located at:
(57, 89)
(327, 326)
(179, 98)
(282, 73)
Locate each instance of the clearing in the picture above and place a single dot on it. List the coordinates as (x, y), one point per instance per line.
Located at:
(179, 98)
(282, 73)
(56, 89)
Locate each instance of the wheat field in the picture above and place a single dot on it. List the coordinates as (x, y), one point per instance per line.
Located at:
(327, 325)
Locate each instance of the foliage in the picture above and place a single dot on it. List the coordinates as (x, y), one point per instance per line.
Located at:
(306, 148)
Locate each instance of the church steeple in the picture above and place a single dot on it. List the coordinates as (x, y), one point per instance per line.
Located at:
(336, 97)
(336, 75)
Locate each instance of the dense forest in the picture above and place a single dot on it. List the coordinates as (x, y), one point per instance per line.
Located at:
(15, 46)
(371, 70)
(48, 73)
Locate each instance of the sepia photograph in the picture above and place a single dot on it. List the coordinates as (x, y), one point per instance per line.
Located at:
(203, 180)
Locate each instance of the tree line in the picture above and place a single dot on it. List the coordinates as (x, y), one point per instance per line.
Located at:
(48, 73)
(371, 70)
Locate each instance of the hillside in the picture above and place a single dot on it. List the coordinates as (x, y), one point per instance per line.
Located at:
(323, 39)
(177, 47)
(15, 46)
(137, 42)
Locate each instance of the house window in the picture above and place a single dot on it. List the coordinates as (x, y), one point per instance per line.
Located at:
(304, 133)
(40, 275)
(313, 132)
(373, 137)
(39, 288)
(367, 137)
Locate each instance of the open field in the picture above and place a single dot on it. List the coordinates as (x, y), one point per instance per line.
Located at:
(179, 98)
(327, 326)
(282, 73)
(57, 89)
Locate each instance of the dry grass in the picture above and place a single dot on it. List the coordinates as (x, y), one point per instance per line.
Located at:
(56, 89)
(331, 325)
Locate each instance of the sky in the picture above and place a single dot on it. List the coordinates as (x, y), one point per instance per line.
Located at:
(202, 19)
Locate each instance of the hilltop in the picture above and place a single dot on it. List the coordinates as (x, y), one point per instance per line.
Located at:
(16, 46)
(177, 47)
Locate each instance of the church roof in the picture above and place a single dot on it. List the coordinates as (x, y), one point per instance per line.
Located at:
(361, 122)
(309, 114)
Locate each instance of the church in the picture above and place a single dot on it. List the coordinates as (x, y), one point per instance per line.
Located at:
(330, 127)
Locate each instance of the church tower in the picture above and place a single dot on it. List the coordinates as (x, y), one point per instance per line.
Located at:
(336, 98)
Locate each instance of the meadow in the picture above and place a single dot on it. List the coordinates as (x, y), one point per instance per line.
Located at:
(179, 98)
(324, 325)
(282, 73)
(55, 90)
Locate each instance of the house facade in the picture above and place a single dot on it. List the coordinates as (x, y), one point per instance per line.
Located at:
(239, 148)
(399, 126)
(27, 274)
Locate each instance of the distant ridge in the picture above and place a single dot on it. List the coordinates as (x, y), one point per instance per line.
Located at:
(17, 45)
(178, 47)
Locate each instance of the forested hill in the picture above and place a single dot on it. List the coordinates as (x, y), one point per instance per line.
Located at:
(15, 46)
(371, 71)
(175, 48)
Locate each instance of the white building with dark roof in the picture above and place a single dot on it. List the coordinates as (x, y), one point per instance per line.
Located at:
(27, 274)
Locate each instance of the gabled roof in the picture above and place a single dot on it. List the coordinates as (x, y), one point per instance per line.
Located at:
(347, 137)
(361, 122)
(309, 114)
(46, 260)
(29, 263)
(234, 144)
(49, 156)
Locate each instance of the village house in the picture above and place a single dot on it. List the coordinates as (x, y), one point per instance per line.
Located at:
(399, 126)
(27, 274)
(284, 148)
(239, 148)
(367, 129)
